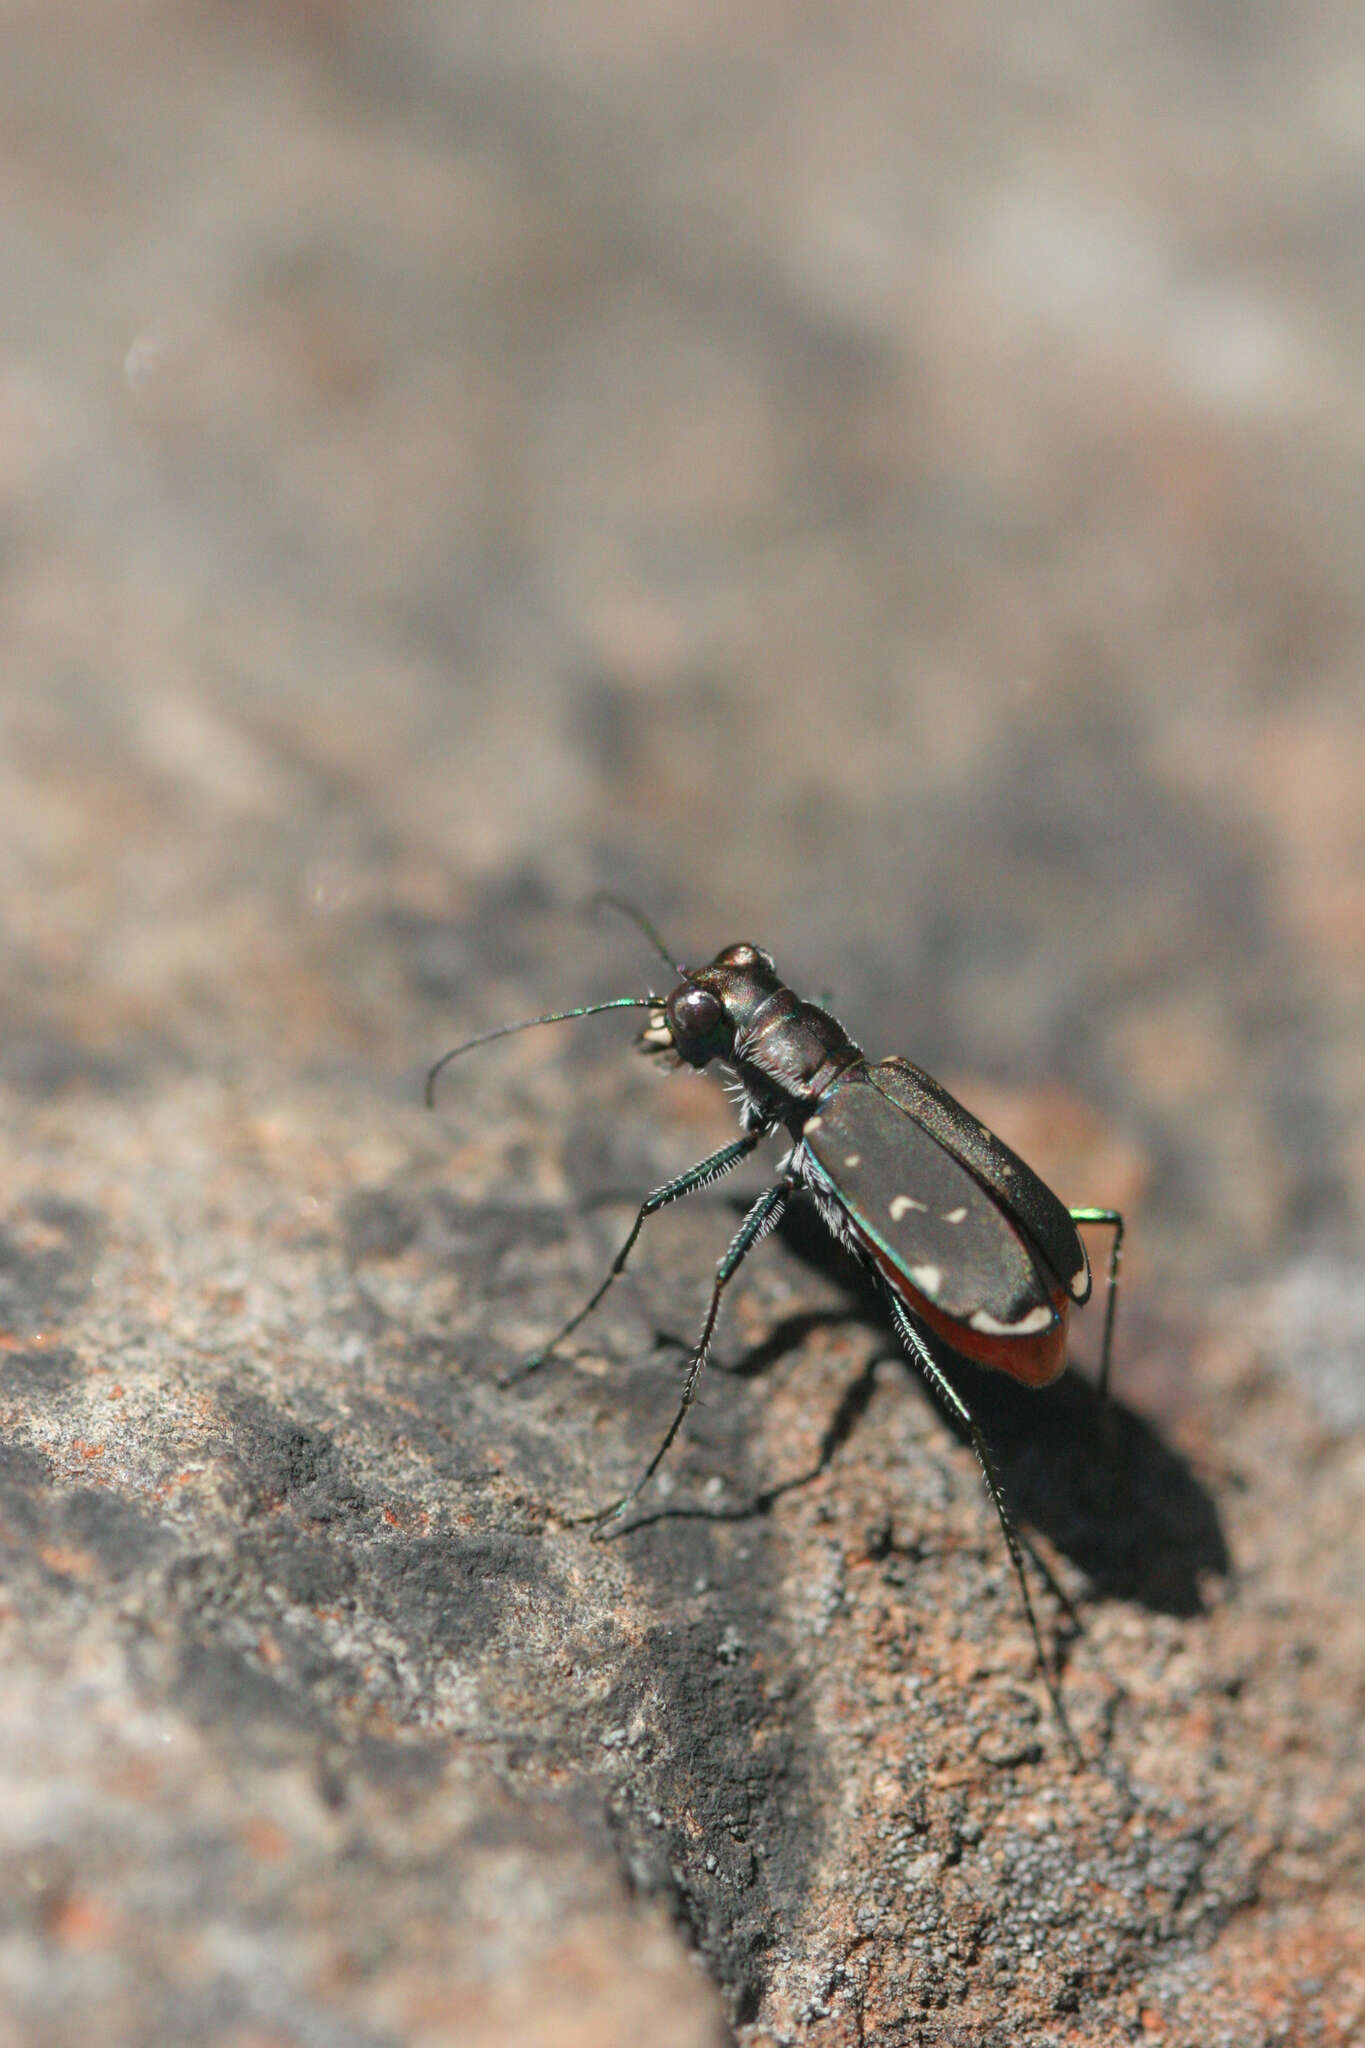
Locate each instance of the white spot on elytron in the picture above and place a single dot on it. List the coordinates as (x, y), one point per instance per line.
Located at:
(1080, 1279)
(853, 1159)
(814, 1123)
(928, 1279)
(1027, 1326)
(901, 1203)
(955, 1215)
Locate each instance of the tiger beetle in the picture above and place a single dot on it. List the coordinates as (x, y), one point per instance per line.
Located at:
(963, 1239)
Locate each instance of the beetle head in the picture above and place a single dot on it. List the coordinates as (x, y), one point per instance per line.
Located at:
(711, 1006)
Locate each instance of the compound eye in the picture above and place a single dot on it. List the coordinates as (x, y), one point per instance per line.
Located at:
(696, 1016)
(696, 1013)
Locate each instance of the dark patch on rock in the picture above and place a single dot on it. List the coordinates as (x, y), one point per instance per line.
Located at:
(47, 1255)
(472, 1236)
(739, 1837)
(123, 1536)
(304, 1567)
(219, 1683)
(274, 1459)
(448, 961)
(436, 958)
(25, 1494)
(205, 1589)
(23, 1471)
(607, 724)
(452, 1593)
(46, 1064)
(379, 1223)
(430, 1417)
(37, 1370)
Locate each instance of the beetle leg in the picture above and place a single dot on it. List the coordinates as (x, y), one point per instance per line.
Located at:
(1114, 1220)
(953, 1401)
(760, 1220)
(699, 1176)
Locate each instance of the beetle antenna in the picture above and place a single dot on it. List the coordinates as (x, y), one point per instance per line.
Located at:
(528, 1024)
(643, 923)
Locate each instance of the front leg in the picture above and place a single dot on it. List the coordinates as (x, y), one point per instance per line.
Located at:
(699, 1176)
(764, 1214)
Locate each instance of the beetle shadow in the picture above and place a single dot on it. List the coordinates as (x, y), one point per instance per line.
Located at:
(1091, 1475)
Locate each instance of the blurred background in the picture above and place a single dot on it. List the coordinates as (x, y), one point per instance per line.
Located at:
(885, 482)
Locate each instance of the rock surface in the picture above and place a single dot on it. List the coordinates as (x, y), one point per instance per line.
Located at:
(882, 485)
